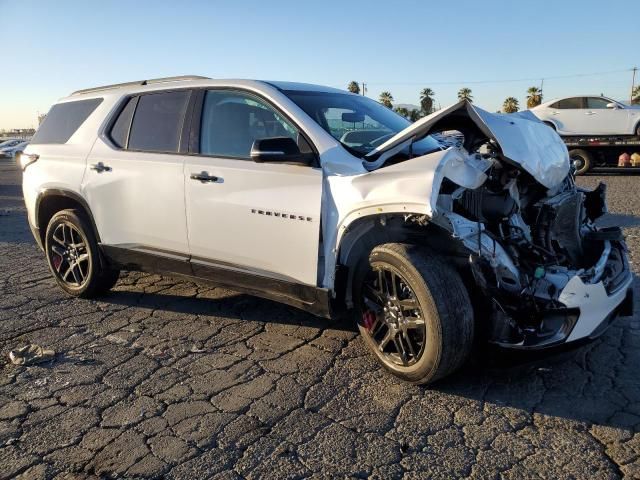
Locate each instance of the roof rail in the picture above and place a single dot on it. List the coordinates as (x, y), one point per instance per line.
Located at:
(141, 82)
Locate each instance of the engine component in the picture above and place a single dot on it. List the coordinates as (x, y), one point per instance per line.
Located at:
(559, 223)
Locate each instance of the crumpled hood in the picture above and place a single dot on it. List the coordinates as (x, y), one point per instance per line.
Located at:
(524, 140)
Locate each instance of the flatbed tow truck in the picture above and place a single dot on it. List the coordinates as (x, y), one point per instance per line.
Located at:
(601, 152)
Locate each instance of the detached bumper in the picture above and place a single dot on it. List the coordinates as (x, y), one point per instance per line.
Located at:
(595, 304)
(588, 308)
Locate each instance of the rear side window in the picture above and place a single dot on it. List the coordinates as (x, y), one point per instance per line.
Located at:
(157, 122)
(63, 120)
(568, 103)
(120, 130)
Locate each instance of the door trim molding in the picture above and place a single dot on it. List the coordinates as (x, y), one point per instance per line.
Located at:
(309, 298)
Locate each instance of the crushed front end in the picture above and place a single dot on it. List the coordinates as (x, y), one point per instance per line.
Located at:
(547, 273)
(544, 269)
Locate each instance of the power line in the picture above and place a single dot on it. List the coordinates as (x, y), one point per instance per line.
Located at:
(515, 80)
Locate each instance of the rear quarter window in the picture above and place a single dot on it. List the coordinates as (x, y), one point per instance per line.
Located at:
(63, 120)
(120, 129)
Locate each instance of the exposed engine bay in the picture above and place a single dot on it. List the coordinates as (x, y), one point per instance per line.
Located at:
(545, 272)
(526, 243)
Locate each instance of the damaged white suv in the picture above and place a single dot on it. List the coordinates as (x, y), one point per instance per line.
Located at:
(330, 202)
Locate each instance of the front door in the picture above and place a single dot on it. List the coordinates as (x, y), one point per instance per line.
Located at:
(605, 120)
(261, 218)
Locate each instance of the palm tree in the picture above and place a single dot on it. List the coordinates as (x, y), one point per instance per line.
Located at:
(635, 96)
(510, 105)
(386, 99)
(465, 94)
(402, 111)
(534, 97)
(426, 100)
(414, 115)
(354, 87)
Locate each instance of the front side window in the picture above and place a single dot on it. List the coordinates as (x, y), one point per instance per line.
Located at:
(597, 102)
(157, 121)
(63, 120)
(357, 122)
(569, 103)
(232, 121)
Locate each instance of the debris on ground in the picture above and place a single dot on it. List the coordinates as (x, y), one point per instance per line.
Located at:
(30, 355)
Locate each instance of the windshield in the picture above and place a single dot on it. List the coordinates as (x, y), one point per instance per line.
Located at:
(357, 122)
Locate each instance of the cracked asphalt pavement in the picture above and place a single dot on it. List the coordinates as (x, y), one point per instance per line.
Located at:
(164, 378)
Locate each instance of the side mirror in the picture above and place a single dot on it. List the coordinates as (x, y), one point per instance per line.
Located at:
(277, 149)
(612, 105)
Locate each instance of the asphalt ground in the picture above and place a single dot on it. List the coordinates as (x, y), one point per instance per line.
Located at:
(164, 378)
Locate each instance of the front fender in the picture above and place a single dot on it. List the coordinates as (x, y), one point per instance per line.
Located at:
(409, 187)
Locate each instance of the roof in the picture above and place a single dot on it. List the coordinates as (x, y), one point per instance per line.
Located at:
(304, 87)
(196, 80)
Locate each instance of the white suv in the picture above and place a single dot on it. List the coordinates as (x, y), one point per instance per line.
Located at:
(589, 115)
(248, 185)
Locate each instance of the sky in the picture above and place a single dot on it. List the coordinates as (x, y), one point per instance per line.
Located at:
(497, 48)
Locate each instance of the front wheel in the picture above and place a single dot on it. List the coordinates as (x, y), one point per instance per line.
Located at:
(414, 312)
(73, 256)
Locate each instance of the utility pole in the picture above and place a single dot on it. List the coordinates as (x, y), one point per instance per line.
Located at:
(364, 89)
(633, 83)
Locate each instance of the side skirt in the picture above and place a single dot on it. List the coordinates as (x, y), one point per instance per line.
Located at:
(310, 299)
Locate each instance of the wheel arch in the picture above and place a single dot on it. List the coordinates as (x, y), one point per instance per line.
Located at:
(52, 200)
(365, 233)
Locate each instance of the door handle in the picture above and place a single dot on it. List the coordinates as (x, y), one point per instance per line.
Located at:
(204, 177)
(100, 167)
(590, 113)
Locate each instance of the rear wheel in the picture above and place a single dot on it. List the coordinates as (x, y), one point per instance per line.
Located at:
(638, 130)
(74, 258)
(413, 312)
(551, 125)
(580, 160)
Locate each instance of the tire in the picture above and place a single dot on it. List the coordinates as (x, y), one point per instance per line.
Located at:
(550, 125)
(74, 257)
(637, 131)
(439, 332)
(581, 160)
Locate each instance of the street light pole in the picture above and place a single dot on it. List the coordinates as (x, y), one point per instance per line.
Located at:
(633, 83)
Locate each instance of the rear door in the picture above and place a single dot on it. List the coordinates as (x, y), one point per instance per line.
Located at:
(134, 179)
(568, 115)
(259, 218)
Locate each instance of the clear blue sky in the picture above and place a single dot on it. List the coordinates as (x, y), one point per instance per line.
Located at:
(50, 48)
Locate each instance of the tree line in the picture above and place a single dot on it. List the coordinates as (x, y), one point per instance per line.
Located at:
(427, 103)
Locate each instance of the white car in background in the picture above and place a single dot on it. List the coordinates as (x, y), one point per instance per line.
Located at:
(589, 115)
(10, 142)
(14, 149)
